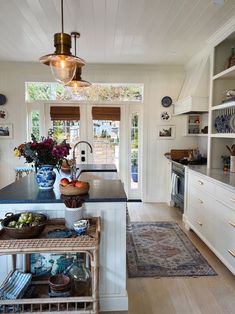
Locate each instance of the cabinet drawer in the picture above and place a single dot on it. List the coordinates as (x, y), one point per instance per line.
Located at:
(224, 233)
(225, 219)
(226, 196)
(198, 212)
(201, 183)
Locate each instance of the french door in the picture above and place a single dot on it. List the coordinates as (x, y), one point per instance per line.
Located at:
(113, 141)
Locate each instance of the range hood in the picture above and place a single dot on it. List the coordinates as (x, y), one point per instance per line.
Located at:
(194, 95)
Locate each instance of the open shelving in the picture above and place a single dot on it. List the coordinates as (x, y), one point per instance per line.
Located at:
(221, 109)
(87, 244)
(226, 74)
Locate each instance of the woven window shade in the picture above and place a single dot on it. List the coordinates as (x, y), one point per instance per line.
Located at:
(106, 113)
(65, 113)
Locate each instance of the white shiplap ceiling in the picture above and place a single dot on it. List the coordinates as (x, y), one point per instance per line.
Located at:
(112, 31)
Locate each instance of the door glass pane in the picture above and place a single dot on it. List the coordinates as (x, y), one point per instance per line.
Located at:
(106, 142)
(35, 122)
(134, 151)
(69, 130)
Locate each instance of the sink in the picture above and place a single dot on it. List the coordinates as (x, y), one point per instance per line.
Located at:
(98, 175)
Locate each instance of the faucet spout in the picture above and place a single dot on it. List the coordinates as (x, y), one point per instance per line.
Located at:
(73, 168)
(85, 142)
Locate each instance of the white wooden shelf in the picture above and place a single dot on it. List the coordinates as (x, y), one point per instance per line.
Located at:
(224, 106)
(226, 74)
(200, 134)
(223, 135)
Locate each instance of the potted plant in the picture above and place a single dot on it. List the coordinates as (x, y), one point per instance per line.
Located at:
(134, 165)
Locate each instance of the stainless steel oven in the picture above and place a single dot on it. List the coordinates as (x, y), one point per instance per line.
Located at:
(177, 185)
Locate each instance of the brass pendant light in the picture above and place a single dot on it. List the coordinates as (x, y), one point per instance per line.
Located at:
(63, 64)
(77, 81)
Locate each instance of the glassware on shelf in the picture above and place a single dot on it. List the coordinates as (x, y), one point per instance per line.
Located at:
(80, 277)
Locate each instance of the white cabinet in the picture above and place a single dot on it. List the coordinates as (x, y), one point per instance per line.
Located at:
(210, 212)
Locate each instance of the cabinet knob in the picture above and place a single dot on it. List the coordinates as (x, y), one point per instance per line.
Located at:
(200, 182)
(232, 253)
(199, 223)
(200, 201)
(232, 223)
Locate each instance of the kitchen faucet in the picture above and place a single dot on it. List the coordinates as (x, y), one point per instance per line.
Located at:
(74, 168)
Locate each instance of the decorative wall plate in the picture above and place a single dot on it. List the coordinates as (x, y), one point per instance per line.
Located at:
(3, 114)
(232, 123)
(3, 99)
(166, 101)
(165, 116)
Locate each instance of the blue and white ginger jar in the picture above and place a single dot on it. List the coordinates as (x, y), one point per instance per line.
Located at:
(45, 177)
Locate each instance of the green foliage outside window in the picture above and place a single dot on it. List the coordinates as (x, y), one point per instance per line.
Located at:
(38, 91)
(35, 125)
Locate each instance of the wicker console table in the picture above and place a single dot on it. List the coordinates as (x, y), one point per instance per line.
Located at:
(88, 244)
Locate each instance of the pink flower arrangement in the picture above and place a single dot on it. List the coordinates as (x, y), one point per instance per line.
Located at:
(44, 152)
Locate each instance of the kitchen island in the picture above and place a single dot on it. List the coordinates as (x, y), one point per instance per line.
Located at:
(107, 199)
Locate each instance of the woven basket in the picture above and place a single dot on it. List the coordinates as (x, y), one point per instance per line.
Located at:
(74, 190)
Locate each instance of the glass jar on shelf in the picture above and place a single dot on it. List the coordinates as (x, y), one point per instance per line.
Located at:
(80, 277)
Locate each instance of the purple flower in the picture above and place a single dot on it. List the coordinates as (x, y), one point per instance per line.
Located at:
(47, 151)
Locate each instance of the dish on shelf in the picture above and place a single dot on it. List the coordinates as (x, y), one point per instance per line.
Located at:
(227, 118)
(60, 233)
(232, 122)
(219, 123)
(60, 282)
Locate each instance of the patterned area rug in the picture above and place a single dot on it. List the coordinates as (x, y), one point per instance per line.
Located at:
(162, 249)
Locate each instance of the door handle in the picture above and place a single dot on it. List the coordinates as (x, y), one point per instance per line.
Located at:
(232, 223)
(231, 252)
(201, 182)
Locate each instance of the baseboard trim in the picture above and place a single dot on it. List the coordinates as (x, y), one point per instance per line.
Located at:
(113, 303)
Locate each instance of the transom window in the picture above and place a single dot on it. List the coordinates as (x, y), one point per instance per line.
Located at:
(50, 91)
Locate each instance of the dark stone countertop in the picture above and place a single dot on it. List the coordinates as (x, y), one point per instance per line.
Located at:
(26, 189)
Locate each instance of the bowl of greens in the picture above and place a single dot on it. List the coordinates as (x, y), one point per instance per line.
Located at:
(24, 225)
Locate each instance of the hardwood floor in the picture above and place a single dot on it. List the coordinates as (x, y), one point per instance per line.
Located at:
(181, 295)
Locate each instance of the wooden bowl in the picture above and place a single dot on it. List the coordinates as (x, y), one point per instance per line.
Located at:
(59, 282)
(66, 165)
(24, 232)
(74, 190)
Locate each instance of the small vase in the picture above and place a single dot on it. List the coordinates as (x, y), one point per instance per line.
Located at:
(72, 215)
(232, 163)
(45, 177)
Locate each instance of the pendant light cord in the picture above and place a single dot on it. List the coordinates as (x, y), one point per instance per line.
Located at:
(62, 15)
(75, 45)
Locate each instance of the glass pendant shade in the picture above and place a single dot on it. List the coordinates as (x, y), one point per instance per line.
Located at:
(77, 82)
(63, 68)
(62, 63)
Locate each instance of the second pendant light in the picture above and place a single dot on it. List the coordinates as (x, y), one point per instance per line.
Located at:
(77, 81)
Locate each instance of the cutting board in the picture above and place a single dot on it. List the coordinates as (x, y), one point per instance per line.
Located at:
(177, 154)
